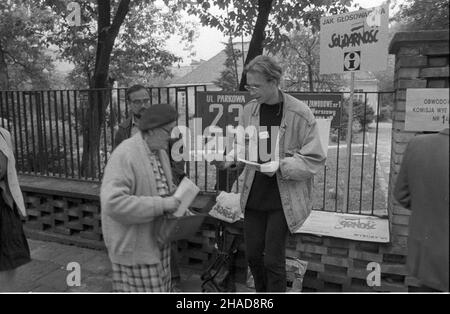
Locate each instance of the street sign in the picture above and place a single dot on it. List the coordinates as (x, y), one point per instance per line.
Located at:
(221, 108)
(354, 41)
(426, 109)
(325, 106)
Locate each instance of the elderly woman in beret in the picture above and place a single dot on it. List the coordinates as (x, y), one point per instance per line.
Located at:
(135, 199)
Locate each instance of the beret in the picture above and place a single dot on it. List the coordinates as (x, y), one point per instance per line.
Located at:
(156, 116)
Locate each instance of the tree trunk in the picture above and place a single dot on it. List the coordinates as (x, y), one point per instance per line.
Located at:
(98, 93)
(310, 78)
(235, 69)
(4, 78)
(256, 43)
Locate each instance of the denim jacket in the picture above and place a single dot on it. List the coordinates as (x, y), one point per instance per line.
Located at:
(299, 141)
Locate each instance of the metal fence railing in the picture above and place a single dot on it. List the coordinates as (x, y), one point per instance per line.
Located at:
(47, 126)
(47, 133)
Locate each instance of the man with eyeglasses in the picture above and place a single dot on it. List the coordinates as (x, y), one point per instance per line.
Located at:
(138, 99)
(279, 202)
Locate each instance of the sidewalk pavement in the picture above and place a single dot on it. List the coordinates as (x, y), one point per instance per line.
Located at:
(47, 272)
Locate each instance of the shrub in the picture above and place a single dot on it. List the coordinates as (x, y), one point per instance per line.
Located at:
(385, 114)
(362, 117)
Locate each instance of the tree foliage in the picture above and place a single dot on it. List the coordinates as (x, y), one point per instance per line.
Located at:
(414, 15)
(363, 114)
(24, 62)
(112, 35)
(115, 38)
(267, 21)
(300, 58)
(139, 46)
(229, 77)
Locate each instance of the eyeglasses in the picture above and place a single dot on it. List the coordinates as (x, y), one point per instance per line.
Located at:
(251, 87)
(140, 101)
(168, 128)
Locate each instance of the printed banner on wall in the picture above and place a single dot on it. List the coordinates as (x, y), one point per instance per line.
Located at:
(346, 226)
(354, 41)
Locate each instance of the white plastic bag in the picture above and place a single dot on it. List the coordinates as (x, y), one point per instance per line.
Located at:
(227, 207)
(297, 267)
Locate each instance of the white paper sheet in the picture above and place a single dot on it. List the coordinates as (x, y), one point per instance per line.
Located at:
(186, 193)
(267, 167)
(324, 126)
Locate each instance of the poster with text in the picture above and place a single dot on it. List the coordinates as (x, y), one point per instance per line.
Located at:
(221, 108)
(426, 109)
(354, 41)
(346, 226)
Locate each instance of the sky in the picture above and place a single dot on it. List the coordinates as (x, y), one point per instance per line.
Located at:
(210, 41)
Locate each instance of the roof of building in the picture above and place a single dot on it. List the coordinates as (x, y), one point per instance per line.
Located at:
(209, 71)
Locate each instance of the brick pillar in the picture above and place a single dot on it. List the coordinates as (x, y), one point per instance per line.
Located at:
(421, 61)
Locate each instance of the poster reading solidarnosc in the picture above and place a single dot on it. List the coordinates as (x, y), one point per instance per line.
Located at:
(354, 41)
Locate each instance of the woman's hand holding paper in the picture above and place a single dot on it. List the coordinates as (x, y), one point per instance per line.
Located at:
(171, 204)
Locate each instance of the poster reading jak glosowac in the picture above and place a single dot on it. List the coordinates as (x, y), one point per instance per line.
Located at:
(354, 41)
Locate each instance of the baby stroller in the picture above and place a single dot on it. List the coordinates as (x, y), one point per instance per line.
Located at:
(220, 275)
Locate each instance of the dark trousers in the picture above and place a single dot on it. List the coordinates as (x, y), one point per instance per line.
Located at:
(265, 235)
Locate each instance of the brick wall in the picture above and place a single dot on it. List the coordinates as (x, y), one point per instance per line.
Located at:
(60, 210)
(334, 265)
(421, 61)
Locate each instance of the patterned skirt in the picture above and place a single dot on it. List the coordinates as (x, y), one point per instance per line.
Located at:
(143, 278)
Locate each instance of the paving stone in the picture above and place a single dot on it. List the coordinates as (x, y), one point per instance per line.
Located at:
(55, 281)
(93, 283)
(29, 275)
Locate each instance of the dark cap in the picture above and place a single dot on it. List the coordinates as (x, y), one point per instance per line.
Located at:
(156, 116)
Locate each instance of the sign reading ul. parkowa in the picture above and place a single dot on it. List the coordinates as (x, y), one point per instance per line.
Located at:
(426, 109)
(355, 41)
